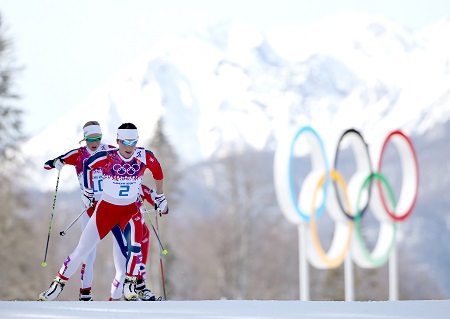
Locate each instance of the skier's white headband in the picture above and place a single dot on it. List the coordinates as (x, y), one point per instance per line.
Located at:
(92, 129)
(127, 134)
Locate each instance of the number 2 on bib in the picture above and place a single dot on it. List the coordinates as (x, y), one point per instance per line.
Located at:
(124, 189)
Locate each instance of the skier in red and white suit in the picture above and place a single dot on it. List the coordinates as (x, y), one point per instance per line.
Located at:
(92, 136)
(122, 170)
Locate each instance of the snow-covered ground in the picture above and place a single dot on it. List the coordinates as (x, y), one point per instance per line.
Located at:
(224, 309)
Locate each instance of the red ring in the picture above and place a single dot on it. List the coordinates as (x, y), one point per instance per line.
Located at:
(408, 211)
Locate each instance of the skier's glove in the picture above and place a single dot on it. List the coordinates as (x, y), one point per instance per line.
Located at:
(161, 203)
(58, 164)
(88, 197)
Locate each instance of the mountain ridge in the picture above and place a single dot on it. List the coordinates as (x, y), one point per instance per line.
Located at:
(231, 82)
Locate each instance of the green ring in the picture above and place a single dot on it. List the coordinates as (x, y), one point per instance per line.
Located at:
(376, 262)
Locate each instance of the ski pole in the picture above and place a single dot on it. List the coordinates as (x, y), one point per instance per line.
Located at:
(44, 263)
(62, 233)
(160, 260)
(163, 251)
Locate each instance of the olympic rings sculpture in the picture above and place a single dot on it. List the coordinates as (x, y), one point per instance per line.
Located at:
(325, 189)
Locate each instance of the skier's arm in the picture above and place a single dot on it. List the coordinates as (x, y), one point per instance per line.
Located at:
(154, 167)
(68, 158)
(96, 160)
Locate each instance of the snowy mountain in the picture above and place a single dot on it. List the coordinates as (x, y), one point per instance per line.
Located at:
(229, 83)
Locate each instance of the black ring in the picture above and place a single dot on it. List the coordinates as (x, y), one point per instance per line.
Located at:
(346, 213)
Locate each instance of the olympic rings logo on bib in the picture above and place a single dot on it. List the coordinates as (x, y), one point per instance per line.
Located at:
(325, 189)
(126, 169)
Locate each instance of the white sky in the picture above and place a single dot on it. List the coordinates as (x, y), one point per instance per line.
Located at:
(69, 48)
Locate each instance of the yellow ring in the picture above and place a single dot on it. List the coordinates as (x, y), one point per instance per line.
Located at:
(334, 257)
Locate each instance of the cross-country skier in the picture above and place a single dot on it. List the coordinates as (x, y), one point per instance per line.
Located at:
(92, 136)
(122, 170)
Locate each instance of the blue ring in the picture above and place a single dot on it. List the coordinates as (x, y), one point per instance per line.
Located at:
(294, 198)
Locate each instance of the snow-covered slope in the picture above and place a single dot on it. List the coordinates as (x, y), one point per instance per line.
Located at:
(241, 309)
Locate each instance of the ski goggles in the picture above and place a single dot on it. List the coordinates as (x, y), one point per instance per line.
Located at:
(93, 139)
(129, 143)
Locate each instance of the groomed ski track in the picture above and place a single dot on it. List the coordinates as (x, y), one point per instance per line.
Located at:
(227, 309)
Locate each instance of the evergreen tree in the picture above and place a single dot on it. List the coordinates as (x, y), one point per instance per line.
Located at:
(18, 255)
(168, 158)
(10, 116)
